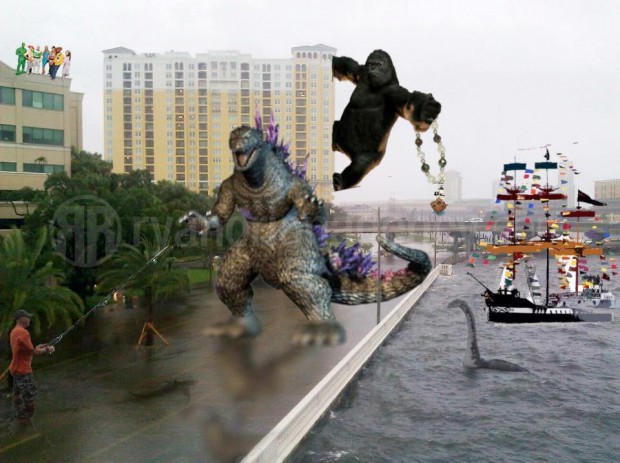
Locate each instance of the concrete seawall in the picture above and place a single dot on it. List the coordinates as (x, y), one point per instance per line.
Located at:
(289, 432)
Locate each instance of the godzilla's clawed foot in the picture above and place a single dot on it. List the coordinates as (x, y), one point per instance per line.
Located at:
(338, 184)
(329, 333)
(236, 328)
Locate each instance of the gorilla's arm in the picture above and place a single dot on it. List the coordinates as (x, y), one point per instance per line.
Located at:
(421, 109)
(345, 68)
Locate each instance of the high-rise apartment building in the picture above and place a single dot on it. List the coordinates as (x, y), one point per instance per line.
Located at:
(172, 113)
(40, 120)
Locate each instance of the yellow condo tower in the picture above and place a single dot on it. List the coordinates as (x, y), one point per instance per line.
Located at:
(171, 113)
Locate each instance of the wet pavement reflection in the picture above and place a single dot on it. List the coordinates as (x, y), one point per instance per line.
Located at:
(200, 399)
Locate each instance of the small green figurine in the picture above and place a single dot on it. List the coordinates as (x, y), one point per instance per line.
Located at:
(21, 59)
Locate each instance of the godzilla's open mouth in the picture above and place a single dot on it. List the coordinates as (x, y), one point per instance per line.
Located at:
(242, 159)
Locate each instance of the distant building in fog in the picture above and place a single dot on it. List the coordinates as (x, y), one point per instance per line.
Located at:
(607, 189)
(453, 186)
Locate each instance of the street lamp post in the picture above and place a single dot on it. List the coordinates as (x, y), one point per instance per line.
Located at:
(378, 265)
(378, 261)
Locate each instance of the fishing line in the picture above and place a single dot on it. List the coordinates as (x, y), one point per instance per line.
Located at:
(104, 301)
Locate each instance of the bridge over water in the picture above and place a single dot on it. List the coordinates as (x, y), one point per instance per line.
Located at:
(403, 226)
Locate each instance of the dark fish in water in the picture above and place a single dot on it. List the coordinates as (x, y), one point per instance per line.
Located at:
(155, 388)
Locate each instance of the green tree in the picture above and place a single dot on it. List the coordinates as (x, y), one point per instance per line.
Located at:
(30, 282)
(144, 209)
(85, 163)
(157, 279)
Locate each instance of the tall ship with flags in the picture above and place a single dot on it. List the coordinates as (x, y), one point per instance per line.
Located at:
(531, 303)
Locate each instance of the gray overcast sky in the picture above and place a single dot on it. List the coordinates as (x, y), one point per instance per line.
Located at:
(510, 74)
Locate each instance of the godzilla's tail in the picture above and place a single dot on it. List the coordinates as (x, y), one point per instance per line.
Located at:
(352, 292)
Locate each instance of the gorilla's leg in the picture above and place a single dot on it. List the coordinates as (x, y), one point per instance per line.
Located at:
(360, 165)
(234, 288)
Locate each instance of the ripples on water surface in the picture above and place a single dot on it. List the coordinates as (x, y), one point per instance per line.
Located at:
(414, 402)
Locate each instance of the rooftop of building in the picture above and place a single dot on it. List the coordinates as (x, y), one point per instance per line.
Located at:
(173, 53)
(317, 47)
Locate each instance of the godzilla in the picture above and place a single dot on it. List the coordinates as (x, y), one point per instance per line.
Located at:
(284, 242)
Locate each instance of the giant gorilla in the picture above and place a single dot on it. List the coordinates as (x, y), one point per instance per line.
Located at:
(377, 101)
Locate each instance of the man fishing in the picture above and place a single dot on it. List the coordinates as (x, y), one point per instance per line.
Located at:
(24, 387)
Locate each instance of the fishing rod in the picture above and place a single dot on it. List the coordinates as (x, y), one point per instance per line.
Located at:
(480, 282)
(104, 301)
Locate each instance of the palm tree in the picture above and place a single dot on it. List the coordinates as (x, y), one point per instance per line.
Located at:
(155, 277)
(30, 284)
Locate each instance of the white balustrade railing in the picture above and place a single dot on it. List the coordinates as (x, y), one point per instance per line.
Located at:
(287, 434)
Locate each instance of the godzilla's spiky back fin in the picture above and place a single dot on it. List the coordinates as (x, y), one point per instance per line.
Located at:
(363, 291)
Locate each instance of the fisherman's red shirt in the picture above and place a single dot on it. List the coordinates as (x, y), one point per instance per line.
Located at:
(22, 349)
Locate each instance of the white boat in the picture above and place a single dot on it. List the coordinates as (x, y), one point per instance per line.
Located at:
(590, 291)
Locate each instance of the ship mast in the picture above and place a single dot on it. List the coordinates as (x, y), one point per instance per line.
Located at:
(543, 193)
(546, 193)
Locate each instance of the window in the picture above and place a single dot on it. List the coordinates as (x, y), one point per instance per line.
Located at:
(39, 136)
(8, 166)
(42, 100)
(43, 168)
(7, 95)
(7, 133)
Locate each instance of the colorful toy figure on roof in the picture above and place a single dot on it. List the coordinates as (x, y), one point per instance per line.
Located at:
(285, 243)
(21, 59)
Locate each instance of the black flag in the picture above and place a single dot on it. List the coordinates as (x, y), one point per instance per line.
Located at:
(547, 155)
(584, 198)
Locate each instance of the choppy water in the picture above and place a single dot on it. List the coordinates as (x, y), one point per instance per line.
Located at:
(414, 402)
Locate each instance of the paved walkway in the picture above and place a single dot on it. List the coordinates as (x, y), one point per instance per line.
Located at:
(216, 398)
